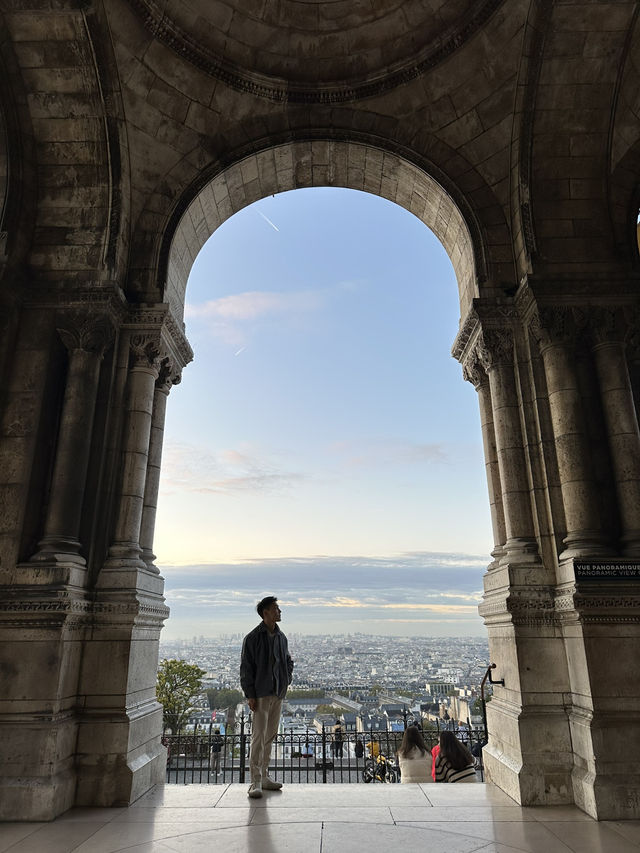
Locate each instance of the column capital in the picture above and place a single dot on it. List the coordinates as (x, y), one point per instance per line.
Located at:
(553, 325)
(155, 320)
(473, 370)
(495, 347)
(168, 376)
(146, 351)
(610, 324)
(81, 330)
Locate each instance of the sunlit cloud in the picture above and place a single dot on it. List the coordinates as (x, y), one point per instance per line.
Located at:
(254, 304)
(404, 592)
(231, 319)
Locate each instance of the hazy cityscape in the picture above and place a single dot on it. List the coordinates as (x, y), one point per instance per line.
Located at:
(374, 680)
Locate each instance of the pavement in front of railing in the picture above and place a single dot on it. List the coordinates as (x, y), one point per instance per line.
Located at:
(428, 818)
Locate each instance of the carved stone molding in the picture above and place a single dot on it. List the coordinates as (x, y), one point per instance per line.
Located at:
(155, 322)
(599, 604)
(176, 342)
(466, 334)
(521, 606)
(77, 613)
(157, 21)
(485, 318)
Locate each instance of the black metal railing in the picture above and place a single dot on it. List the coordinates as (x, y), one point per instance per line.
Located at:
(309, 757)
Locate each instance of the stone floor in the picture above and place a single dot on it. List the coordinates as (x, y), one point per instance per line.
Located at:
(323, 819)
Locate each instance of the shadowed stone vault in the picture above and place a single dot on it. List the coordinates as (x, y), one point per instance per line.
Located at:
(129, 131)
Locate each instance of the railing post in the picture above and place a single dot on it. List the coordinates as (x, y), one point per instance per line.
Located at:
(242, 751)
(324, 756)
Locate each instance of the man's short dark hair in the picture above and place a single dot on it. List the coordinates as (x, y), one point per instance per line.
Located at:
(265, 603)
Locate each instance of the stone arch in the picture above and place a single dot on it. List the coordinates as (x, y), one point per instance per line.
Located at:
(322, 162)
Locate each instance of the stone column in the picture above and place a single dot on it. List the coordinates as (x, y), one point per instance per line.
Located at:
(125, 549)
(607, 333)
(528, 754)
(166, 380)
(85, 340)
(495, 350)
(473, 372)
(555, 332)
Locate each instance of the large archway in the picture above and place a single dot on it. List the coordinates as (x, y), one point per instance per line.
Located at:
(323, 415)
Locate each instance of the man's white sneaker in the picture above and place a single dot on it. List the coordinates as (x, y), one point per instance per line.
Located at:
(255, 790)
(271, 784)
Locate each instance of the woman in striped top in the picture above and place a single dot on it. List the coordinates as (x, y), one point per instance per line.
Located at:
(454, 762)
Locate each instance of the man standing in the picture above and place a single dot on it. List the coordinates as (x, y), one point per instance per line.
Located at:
(214, 755)
(265, 673)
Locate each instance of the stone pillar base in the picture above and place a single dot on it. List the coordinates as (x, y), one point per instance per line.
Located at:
(36, 798)
(615, 797)
(120, 776)
(37, 773)
(118, 753)
(530, 759)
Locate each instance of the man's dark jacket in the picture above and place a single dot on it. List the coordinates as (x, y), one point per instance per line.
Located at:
(257, 676)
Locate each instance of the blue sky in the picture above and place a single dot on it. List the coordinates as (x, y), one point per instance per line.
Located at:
(323, 440)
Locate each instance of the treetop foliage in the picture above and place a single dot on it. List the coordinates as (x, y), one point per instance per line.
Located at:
(178, 685)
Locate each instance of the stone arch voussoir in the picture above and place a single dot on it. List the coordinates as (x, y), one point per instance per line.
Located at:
(366, 164)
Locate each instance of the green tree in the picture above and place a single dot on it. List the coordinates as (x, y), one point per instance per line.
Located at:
(476, 706)
(329, 709)
(223, 697)
(178, 685)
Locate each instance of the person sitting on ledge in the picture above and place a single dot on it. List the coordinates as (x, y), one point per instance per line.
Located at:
(454, 762)
(413, 757)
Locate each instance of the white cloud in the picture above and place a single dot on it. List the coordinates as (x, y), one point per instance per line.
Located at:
(254, 304)
(231, 319)
(187, 468)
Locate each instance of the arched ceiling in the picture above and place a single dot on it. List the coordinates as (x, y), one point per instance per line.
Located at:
(292, 49)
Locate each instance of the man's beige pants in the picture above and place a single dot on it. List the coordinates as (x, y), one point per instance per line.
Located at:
(264, 728)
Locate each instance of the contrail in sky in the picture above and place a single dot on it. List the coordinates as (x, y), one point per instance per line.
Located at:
(266, 219)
